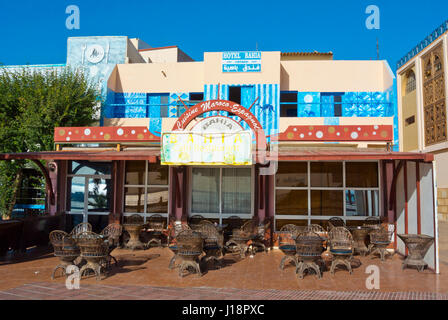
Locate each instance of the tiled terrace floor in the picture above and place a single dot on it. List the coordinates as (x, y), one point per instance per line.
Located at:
(145, 275)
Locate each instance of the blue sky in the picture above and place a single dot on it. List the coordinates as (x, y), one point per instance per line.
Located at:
(34, 31)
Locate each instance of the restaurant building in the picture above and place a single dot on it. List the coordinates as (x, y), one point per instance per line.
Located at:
(292, 137)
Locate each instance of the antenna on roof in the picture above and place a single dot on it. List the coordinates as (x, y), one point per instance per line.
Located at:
(377, 50)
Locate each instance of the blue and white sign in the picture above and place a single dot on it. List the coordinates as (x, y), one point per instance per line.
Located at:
(241, 61)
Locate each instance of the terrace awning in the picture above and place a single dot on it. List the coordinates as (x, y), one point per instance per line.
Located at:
(322, 154)
(82, 154)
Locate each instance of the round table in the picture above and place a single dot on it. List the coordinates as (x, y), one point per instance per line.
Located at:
(134, 230)
(418, 245)
(360, 236)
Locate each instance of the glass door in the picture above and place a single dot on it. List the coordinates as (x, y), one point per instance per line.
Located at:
(90, 193)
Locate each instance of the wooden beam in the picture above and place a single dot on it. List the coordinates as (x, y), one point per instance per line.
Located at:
(48, 183)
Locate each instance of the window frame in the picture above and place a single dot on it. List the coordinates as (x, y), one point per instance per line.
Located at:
(288, 104)
(220, 216)
(344, 188)
(145, 214)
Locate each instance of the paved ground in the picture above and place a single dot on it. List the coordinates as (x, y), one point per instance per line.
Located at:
(58, 291)
(145, 275)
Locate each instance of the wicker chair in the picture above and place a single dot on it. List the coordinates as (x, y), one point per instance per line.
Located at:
(112, 233)
(380, 240)
(213, 243)
(309, 250)
(194, 221)
(259, 239)
(335, 222)
(173, 232)
(287, 244)
(189, 243)
(94, 251)
(240, 237)
(372, 222)
(233, 222)
(156, 225)
(341, 247)
(314, 228)
(84, 226)
(65, 249)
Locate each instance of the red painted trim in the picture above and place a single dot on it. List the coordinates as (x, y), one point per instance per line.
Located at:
(406, 210)
(393, 189)
(395, 212)
(417, 182)
(103, 134)
(338, 133)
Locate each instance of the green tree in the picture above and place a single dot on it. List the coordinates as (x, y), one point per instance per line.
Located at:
(32, 103)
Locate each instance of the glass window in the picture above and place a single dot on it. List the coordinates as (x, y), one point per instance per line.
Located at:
(326, 174)
(205, 190)
(76, 187)
(327, 203)
(291, 202)
(135, 172)
(157, 200)
(157, 174)
(99, 197)
(410, 82)
(236, 190)
(328, 194)
(292, 174)
(90, 168)
(134, 199)
(146, 188)
(361, 174)
(361, 202)
(221, 191)
(288, 104)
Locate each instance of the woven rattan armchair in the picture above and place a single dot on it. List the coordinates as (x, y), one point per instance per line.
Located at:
(380, 240)
(259, 239)
(335, 222)
(233, 222)
(238, 242)
(156, 225)
(309, 249)
(84, 226)
(65, 249)
(112, 234)
(314, 228)
(189, 243)
(341, 247)
(173, 232)
(213, 243)
(94, 250)
(287, 244)
(372, 222)
(194, 221)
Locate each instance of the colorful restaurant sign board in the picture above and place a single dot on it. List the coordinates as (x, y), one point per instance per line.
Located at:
(241, 61)
(194, 148)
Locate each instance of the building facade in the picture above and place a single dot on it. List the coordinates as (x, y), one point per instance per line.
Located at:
(422, 103)
(288, 137)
